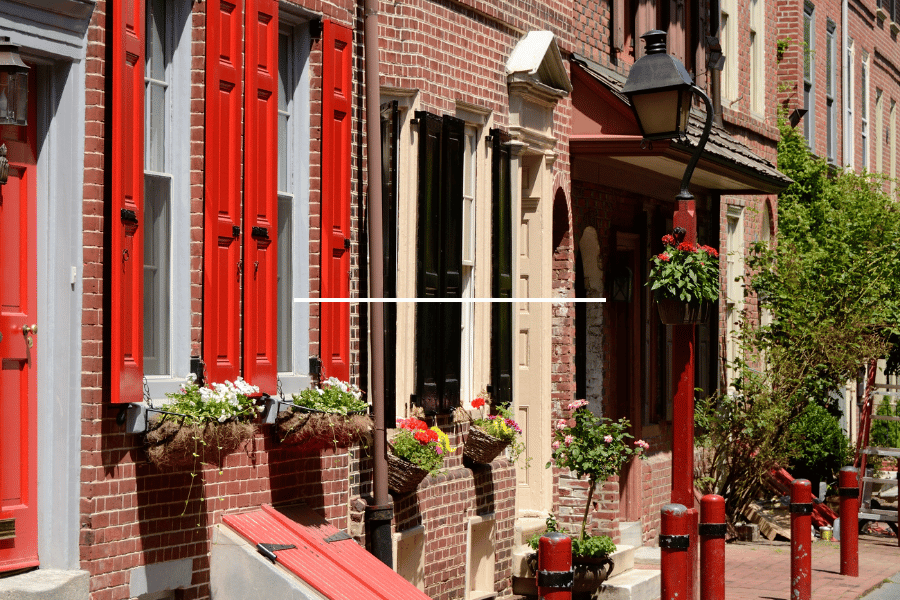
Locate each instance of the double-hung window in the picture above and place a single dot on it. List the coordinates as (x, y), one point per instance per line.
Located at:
(879, 132)
(730, 50)
(809, 76)
(757, 58)
(293, 203)
(830, 86)
(467, 321)
(166, 303)
(849, 135)
(864, 111)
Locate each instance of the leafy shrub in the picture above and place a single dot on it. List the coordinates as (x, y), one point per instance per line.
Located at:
(822, 447)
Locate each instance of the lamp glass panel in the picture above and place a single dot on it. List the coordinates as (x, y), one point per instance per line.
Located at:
(13, 98)
(659, 113)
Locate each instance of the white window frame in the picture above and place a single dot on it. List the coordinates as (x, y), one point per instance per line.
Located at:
(734, 291)
(757, 58)
(850, 158)
(177, 159)
(892, 133)
(296, 27)
(728, 25)
(864, 111)
(879, 132)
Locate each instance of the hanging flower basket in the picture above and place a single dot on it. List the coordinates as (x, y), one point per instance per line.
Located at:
(403, 476)
(482, 447)
(676, 312)
(318, 430)
(173, 445)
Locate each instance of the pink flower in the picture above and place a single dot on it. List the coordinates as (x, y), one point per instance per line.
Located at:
(438, 450)
(577, 404)
(607, 438)
(555, 445)
(569, 440)
(561, 424)
(642, 444)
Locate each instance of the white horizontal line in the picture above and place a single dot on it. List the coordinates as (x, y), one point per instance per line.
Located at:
(449, 300)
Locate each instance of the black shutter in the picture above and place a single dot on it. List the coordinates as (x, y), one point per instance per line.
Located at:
(451, 257)
(428, 263)
(501, 281)
(439, 261)
(390, 133)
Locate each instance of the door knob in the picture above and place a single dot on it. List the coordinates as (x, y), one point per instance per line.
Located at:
(26, 329)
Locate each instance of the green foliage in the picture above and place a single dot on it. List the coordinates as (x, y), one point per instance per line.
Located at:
(588, 546)
(216, 402)
(781, 46)
(685, 272)
(822, 447)
(333, 396)
(886, 434)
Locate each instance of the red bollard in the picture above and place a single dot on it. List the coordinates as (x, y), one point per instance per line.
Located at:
(849, 490)
(674, 543)
(554, 573)
(712, 547)
(801, 540)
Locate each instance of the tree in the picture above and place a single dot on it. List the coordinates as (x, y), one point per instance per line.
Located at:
(832, 287)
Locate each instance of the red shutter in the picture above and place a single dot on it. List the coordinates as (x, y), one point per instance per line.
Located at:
(126, 325)
(261, 195)
(222, 268)
(335, 283)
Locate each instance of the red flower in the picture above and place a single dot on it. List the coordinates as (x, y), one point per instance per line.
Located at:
(425, 436)
(710, 250)
(668, 239)
(663, 257)
(477, 402)
(687, 247)
(412, 423)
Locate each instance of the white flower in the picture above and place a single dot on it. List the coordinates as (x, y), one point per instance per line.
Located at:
(222, 419)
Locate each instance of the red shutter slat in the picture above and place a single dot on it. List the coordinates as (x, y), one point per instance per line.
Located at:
(335, 282)
(260, 194)
(126, 271)
(222, 212)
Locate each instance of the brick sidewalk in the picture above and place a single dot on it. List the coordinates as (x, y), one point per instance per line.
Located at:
(761, 570)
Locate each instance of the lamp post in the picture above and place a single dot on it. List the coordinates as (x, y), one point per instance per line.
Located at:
(13, 95)
(660, 91)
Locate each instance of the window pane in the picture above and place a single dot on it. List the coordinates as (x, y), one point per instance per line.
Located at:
(285, 283)
(157, 278)
(156, 40)
(154, 160)
(284, 86)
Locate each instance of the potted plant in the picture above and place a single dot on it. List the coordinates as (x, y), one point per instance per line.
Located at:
(684, 279)
(492, 434)
(596, 448)
(202, 424)
(332, 413)
(415, 451)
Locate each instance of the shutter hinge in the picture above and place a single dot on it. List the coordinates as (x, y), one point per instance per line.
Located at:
(235, 231)
(337, 537)
(260, 232)
(269, 550)
(315, 366)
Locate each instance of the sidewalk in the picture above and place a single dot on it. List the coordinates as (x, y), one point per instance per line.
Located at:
(761, 570)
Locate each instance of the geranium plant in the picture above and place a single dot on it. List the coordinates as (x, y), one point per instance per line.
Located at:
(596, 448)
(213, 402)
(684, 271)
(422, 446)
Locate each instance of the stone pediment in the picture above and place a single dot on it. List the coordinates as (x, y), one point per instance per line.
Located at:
(537, 63)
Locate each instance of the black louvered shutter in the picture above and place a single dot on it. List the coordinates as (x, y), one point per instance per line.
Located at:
(501, 280)
(390, 133)
(451, 257)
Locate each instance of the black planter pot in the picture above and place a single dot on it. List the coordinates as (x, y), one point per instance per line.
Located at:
(676, 312)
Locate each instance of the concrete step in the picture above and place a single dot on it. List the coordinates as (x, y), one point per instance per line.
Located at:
(636, 584)
(631, 533)
(647, 555)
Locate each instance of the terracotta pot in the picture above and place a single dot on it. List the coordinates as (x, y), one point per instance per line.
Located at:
(676, 312)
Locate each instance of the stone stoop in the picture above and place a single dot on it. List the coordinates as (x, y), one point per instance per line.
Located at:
(634, 584)
(631, 533)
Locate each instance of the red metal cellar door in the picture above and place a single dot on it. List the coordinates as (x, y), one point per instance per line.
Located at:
(18, 350)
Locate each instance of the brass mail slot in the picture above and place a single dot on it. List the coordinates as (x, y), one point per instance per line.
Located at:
(7, 529)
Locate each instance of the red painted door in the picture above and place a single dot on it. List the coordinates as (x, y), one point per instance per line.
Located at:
(18, 350)
(335, 316)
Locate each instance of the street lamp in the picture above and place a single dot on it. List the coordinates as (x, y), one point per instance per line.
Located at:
(13, 94)
(660, 91)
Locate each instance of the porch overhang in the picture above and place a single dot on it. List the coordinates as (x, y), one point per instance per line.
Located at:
(606, 139)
